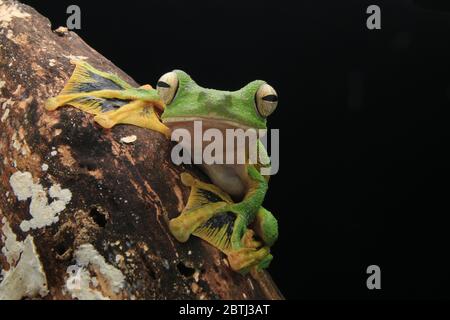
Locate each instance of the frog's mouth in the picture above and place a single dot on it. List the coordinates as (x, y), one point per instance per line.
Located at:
(198, 126)
(203, 124)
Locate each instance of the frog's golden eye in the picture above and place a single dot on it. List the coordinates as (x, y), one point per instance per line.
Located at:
(167, 86)
(266, 100)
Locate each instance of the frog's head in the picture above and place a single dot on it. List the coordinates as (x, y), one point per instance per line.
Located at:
(187, 102)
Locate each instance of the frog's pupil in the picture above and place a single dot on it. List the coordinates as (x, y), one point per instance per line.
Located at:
(271, 98)
(163, 84)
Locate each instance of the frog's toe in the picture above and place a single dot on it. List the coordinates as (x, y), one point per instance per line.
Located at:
(248, 240)
(104, 121)
(244, 259)
(187, 179)
(179, 228)
(52, 104)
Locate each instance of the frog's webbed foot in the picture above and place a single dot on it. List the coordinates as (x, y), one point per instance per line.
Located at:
(110, 99)
(203, 215)
(138, 113)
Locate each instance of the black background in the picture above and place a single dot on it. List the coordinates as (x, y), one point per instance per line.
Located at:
(363, 119)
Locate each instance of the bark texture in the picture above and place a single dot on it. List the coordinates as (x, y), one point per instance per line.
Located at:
(122, 194)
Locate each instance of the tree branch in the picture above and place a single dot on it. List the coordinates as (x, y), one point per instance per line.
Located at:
(107, 222)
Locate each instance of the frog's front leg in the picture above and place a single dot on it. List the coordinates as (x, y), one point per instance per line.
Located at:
(244, 253)
(139, 113)
(266, 226)
(247, 209)
(110, 99)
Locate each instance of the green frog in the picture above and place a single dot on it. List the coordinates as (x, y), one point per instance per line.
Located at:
(228, 212)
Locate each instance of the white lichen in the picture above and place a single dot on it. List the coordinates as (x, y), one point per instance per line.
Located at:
(25, 277)
(81, 285)
(87, 254)
(44, 167)
(12, 248)
(128, 139)
(22, 184)
(63, 195)
(43, 214)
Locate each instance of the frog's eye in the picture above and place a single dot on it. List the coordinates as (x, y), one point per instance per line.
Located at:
(266, 100)
(167, 86)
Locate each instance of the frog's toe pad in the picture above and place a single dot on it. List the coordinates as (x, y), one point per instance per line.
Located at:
(104, 121)
(187, 179)
(51, 104)
(177, 227)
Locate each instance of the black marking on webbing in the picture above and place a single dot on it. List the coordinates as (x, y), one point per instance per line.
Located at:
(113, 104)
(211, 197)
(98, 83)
(146, 111)
(104, 104)
(220, 220)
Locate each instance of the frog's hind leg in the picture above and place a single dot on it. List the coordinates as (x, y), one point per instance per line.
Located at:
(203, 215)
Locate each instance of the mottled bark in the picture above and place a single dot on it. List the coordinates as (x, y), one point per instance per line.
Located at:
(122, 193)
